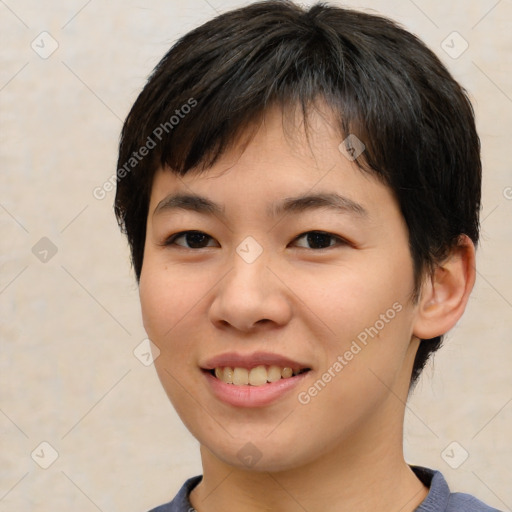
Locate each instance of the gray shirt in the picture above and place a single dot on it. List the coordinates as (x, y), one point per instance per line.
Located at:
(439, 498)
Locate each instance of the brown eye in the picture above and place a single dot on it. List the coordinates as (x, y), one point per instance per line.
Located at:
(320, 240)
(193, 239)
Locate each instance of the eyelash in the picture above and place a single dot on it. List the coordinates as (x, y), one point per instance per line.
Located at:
(171, 240)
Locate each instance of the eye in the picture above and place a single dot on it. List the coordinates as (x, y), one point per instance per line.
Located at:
(199, 240)
(194, 239)
(320, 240)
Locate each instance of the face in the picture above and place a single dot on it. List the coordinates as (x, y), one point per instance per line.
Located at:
(247, 273)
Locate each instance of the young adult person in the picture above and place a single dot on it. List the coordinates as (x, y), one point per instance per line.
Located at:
(300, 188)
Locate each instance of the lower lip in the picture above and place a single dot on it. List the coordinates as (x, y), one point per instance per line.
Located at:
(252, 396)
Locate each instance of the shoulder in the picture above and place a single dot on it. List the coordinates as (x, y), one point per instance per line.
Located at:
(460, 501)
(441, 499)
(180, 503)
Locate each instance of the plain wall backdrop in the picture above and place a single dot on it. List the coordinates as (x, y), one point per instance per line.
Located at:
(70, 322)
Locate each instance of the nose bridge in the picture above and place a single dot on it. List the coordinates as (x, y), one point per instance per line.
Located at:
(249, 261)
(250, 250)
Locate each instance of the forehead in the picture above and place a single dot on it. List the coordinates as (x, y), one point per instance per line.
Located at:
(276, 167)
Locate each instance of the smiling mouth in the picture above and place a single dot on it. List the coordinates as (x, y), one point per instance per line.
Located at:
(257, 376)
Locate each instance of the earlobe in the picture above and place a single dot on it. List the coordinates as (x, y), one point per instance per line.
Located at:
(445, 293)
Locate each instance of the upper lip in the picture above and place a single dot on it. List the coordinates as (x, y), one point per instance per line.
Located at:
(236, 360)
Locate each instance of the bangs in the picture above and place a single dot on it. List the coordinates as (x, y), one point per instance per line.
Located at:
(192, 122)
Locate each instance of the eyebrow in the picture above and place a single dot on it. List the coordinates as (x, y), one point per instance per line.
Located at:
(298, 204)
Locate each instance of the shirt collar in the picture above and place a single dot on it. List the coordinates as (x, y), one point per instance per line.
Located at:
(439, 492)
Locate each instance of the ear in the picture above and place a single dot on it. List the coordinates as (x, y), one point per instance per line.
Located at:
(445, 293)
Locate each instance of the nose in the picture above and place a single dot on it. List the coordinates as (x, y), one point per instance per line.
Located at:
(250, 297)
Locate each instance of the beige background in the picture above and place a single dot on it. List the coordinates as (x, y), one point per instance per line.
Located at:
(69, 325)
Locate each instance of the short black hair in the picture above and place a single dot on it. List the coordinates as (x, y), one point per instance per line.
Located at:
(381, 83)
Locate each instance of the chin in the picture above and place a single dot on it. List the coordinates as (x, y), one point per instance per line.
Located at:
(259, 453)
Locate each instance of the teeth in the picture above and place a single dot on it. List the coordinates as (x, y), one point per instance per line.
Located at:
(240, 376)
(257, 376)
(286, 372)
(274, 374)
(228, 375)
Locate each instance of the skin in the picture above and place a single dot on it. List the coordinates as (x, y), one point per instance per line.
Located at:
(343, 450)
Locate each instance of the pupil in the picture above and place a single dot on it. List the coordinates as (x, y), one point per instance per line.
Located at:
(195, 240)
(315, 240)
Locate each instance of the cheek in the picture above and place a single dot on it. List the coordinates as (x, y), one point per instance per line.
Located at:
(359, 380)
(168, 303)
(368, 312)
(352, 297)
(167, 297)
